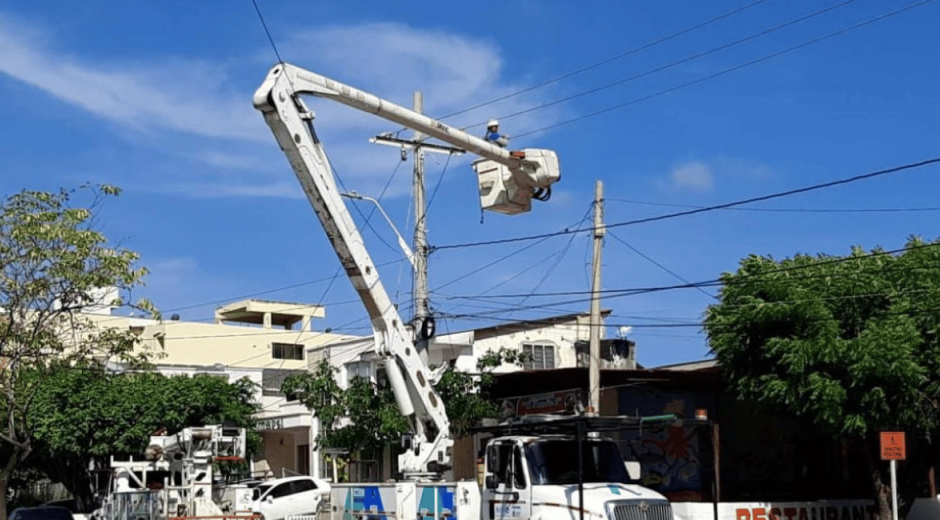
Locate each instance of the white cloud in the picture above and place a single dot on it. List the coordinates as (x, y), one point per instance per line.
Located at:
(184, 97)
(693, 176)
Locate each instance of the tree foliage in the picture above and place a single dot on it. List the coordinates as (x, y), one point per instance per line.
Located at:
(466, 396)
(364, 417)
(115, 414)
(850, 344)
(51, 259)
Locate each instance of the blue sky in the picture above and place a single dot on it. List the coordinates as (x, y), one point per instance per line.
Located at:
(155, 97)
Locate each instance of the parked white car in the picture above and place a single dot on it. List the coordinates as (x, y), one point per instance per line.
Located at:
(277, 499)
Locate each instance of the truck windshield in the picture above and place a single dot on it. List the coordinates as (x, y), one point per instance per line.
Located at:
(555, 461)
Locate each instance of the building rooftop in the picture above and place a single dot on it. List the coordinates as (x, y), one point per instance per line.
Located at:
(524, 325)
(269, 313)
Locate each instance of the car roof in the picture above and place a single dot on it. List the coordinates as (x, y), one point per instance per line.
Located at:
(286, 479)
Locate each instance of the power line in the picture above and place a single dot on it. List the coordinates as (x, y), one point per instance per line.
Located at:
(659, 265)
(368, 218)
(670, 65)
(267, 32)
(684, 322)
(743, 278)
(697, 324)
(513, 307)
(668, 216)
(519, 273)
(785, 210)
(510, 308)
(494, 262)
(438, 183)
(559, 257)
(728, 70)
(680, 324)
(503, 282)
(605, 61)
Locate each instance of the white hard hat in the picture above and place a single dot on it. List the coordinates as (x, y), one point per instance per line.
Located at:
(492, 122)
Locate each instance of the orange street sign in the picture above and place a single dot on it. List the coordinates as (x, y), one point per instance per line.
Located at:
(893, 446)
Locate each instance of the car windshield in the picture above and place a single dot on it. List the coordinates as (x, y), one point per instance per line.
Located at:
(555, 461)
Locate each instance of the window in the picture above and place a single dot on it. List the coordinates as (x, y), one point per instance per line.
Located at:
(518, 474)
(505, 461)
(555, 461)
(358, 369)
(282, 490)
(300, 486)
(498, 460)
(287, 351)
(538, 357)
(272, 379)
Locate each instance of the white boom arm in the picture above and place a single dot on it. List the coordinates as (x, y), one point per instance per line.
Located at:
(279, 99)
(508, 181)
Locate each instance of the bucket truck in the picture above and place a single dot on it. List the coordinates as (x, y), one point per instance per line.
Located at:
(507, 181)
(176, 478)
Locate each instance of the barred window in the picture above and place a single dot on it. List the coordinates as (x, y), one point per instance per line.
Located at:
(287, 351)
(538, 357)
(272, 379)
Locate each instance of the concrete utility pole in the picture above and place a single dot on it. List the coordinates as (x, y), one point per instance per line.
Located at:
(420, 287)
(424, 324)
(594, 372)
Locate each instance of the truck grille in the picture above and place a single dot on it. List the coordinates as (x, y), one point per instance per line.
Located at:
(642, 510)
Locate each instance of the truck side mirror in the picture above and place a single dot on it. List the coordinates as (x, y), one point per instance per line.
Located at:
(633, 469)
(491, 482)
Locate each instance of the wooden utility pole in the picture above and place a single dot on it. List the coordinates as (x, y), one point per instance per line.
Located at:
(594, 372)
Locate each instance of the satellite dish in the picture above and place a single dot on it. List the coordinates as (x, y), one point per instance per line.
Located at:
(623, 331)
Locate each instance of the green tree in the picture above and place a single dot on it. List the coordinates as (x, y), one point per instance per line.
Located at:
(372, 416)
(848, 344)
(115, 414)
(466, 396)
(51, 260)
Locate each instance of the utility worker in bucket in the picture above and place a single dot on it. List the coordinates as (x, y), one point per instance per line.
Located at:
(493, 135)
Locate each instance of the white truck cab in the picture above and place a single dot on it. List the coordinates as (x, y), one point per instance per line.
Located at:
(538, 477)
